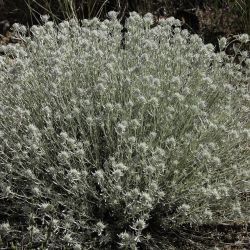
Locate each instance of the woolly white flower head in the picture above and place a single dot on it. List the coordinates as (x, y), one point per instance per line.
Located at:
(244, 38)
(45, 18)
(113, 15)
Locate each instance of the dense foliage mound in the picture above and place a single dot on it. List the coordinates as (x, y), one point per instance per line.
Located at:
(103, 147)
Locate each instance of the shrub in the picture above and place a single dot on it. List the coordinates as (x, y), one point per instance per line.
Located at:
(103, 147)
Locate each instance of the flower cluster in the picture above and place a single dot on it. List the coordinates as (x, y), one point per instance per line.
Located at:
(97, 140)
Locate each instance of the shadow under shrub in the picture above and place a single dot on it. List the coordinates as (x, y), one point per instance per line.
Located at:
(103, 147)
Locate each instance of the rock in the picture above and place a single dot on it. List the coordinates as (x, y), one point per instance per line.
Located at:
(4, 26)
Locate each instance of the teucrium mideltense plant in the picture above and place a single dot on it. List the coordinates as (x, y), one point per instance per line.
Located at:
(103, 147)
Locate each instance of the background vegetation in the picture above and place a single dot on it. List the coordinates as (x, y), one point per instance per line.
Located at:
(24, 11)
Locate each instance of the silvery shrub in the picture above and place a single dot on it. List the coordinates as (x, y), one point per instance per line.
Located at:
(105, 148)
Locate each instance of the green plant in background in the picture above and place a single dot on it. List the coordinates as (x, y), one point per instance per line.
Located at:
(30, 10)
(103, 147)
(66, 9)
(244, 7)
(58, 10)
(241, 7)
